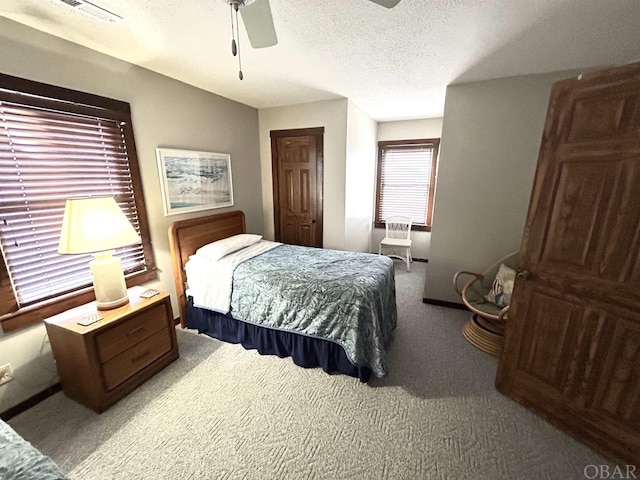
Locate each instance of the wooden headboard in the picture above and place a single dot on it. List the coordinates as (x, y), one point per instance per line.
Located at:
(186, 236)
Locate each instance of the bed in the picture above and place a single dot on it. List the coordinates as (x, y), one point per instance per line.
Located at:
(323, 308)
(19, 460)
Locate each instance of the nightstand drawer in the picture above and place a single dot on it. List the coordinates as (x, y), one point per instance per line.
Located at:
(130, 362)
(122, 337)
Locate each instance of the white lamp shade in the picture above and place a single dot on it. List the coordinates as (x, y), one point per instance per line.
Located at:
(94, 224)
(97, 225)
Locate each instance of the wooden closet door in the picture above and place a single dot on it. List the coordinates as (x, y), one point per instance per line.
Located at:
(297, 160)
(572, 344)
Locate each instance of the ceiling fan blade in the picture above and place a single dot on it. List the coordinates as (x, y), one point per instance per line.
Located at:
(258, 23)
(386, 3)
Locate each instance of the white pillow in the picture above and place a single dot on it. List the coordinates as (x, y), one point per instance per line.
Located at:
(502, 287)
(220, 248)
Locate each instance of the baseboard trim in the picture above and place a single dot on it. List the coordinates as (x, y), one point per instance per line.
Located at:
(443, 303)
(30, 402)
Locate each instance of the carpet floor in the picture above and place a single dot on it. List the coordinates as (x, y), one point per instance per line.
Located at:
(223, 412)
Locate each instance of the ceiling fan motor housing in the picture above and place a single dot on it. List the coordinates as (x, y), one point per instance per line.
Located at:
(239, 3)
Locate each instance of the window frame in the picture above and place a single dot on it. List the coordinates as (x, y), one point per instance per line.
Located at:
(16, 90)
(384, 145)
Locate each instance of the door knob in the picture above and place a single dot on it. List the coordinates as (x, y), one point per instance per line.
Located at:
(312, 221)
(524, 275)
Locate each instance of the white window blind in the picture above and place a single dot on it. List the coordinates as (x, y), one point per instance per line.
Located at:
(47, 156)
(405, 181)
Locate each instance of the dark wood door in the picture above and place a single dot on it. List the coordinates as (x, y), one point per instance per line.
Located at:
(297, 185)
(572, 344)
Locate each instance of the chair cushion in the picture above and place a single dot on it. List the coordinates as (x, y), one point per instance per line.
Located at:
(502, 286)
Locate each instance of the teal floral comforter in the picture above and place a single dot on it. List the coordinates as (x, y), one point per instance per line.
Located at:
(345, 297)
(19, 460)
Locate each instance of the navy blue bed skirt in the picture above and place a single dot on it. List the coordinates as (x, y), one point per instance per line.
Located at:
(305, 351)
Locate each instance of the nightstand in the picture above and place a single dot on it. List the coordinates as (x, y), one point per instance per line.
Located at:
(100, 363)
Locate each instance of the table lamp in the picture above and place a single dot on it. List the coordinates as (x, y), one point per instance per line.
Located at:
(96, 225)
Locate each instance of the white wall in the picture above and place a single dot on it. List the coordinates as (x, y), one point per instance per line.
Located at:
(360, 180)
(332, 115)
(488, 155)
(165, 113)
(408, 130)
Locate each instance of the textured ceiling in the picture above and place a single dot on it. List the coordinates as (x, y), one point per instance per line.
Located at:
(393, 64)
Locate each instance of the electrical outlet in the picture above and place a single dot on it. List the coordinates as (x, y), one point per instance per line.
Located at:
(6, 373)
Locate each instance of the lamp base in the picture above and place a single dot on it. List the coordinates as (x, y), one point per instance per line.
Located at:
(113, 304)
(108, 281)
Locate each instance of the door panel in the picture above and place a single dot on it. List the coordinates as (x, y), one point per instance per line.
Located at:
(619, 395)
(572, 343)
(297, 184)
(584, 197)
(552, 320)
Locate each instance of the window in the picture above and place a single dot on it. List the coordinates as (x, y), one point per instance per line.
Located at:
(406, 181)
(54, 144)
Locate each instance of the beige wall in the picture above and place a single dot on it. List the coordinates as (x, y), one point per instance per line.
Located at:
(490, 141)
(332, 115)
(166, 113)
(360, 180)
(409, 130)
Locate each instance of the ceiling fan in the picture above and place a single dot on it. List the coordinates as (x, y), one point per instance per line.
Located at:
(258, 22)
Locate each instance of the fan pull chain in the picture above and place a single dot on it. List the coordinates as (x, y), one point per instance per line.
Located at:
(234, 48)
(240, 75)
(235, 33)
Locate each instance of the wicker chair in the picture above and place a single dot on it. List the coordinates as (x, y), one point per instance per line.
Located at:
(485, 328)
(397, 240)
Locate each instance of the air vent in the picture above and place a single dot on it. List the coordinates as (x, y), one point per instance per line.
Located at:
(93, 10)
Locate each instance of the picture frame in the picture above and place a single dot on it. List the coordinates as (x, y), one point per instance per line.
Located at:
(192, 181)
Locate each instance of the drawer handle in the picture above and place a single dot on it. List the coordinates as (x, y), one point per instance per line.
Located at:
(139, 357)
(133, 332)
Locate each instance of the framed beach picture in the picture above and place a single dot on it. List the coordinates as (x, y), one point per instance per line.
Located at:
(193, 181)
